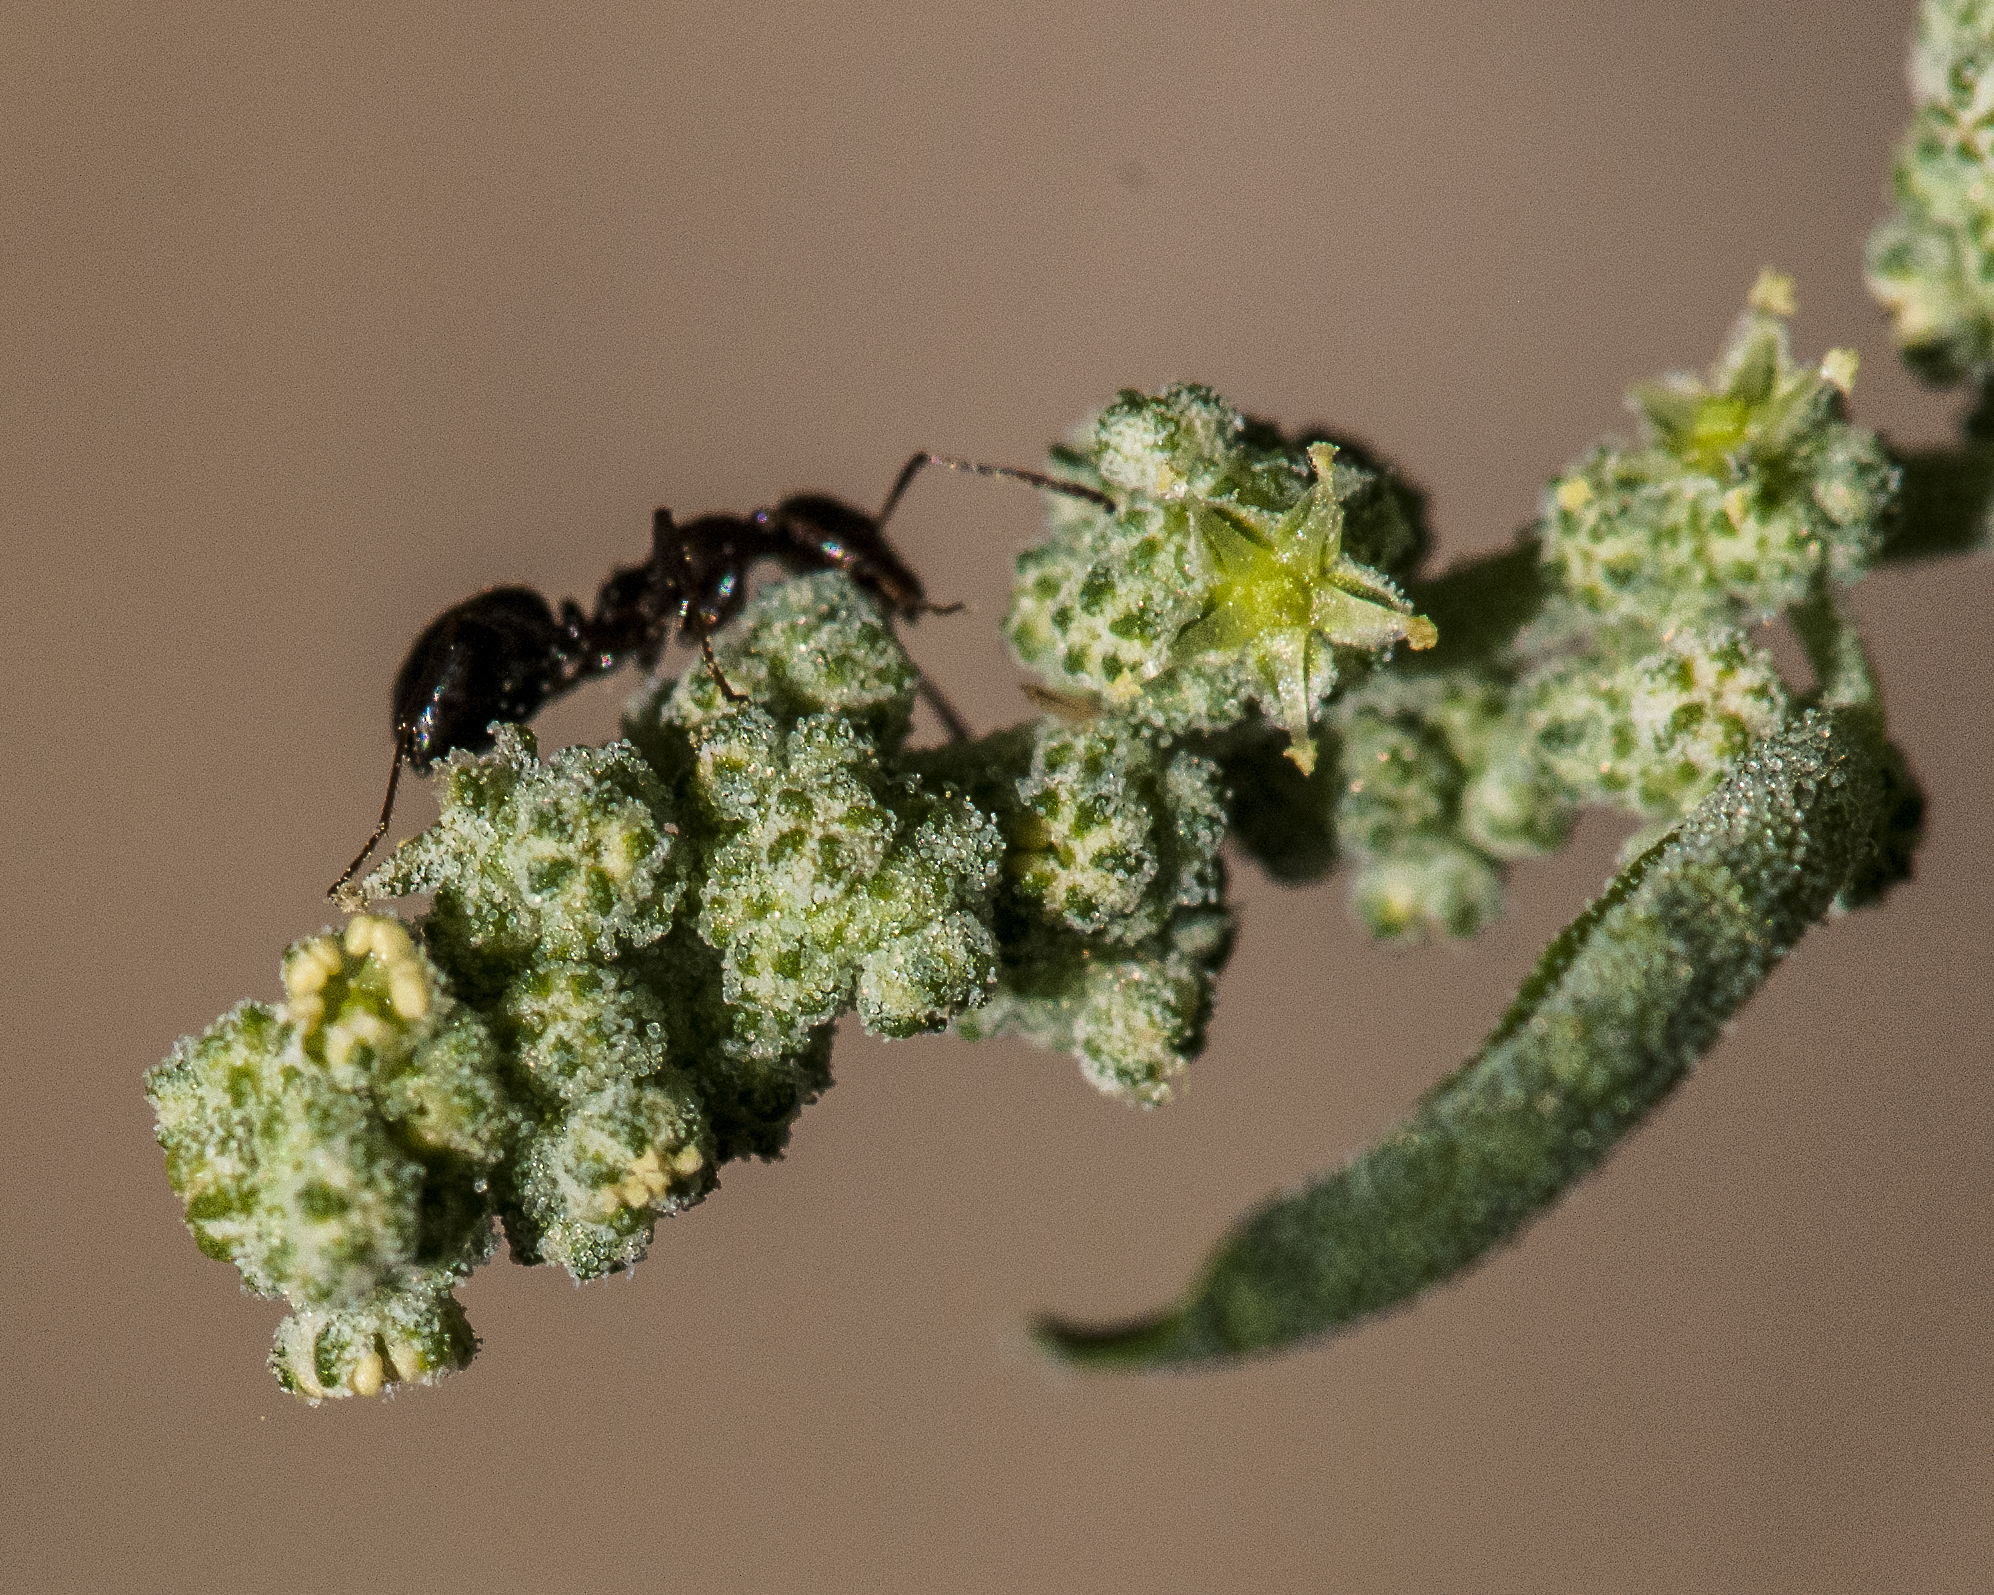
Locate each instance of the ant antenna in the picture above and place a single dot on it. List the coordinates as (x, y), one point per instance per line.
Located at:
(1012, 473)
(337, 890)
(952, 722)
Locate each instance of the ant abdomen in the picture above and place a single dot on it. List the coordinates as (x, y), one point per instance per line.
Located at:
(496, 657)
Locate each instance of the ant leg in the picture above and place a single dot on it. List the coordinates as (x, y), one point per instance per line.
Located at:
(952, 722)
(713, 665)
(1011, 473)
(337, 891)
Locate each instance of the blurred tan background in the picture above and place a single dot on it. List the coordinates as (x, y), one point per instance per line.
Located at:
(318, 318)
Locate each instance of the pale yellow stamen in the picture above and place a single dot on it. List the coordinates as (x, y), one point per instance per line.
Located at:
(368, 1375)
(1772, 294)
(408, 991)
(647, 1180)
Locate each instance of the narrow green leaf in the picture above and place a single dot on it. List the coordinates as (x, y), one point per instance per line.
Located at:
(1620, 1006)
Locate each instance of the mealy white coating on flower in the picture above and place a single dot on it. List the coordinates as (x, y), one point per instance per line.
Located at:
(1749, 486)
(592, 1181)
(1221, 583)
(812, 645)
(822, 866)
(410, 1335)
(288, 1174)
(1657, 733)
(573, 1028)
(829, 879)
(299, 1137)
(1113, 836)
(1109, 920)
(1404, 759)
(1931, 265)
(574, 858)
(447, 1096)
(1133, 1022)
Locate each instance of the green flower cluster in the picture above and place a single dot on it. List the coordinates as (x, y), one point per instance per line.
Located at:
(1932, 264)
(1236, 571)
(1110, 914)
(1623, 670)
(335, 1148)
(550, 881)
(1750, 487)
(1749, 496)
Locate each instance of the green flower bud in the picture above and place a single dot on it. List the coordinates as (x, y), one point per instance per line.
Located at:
(1751, 485)
(1109, 928)
(1932, 264)
(1427, 886)
(822, 863)
(571, 859)
(445, 1096)
(814, 645)
(1655, 735)
(574, 1028)
(1399, 778)
(409, 1336)
(273, 1136)
(592, 1181)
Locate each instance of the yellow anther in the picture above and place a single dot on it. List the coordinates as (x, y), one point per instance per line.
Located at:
(1839, 367)
(407, 1360)
(408, 991)
(1737, 505)
(688, 1162)
(1772, 294)
(306, 1012)
(1574, 494)
(391, 941)
(368, 1375)
(310, 965)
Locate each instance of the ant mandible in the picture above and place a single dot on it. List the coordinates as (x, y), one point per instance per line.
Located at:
(499, 656)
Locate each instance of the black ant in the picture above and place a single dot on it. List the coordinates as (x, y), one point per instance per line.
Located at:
(496, 658)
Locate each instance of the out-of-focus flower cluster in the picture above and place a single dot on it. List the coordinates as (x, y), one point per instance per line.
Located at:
(1932, 263)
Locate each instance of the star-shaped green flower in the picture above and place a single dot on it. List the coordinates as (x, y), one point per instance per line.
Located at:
(1757, 403)
(1285, 593)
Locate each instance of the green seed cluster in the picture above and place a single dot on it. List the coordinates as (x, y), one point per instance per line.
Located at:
(1932, 263)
